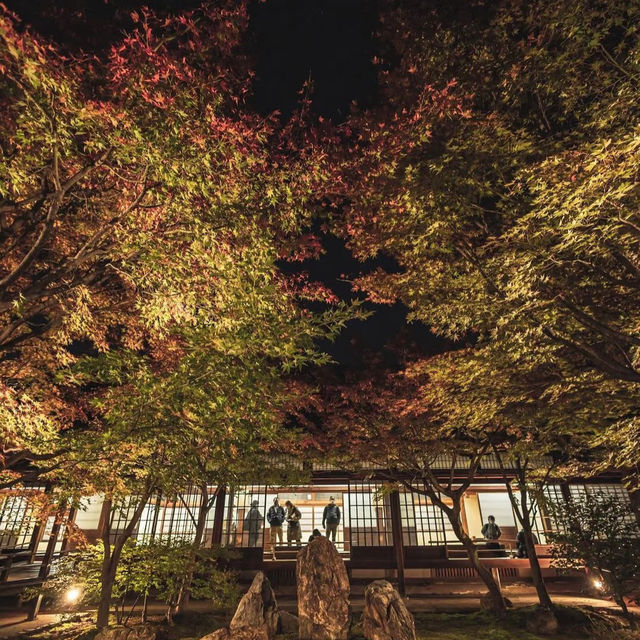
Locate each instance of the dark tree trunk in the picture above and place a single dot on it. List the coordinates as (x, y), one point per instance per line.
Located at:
(498, 605)
(523, 512)
(112, 555)
(524, 518)
(623, 605)
(107, 578)
(145, 607)
(536, 572)
(203, 512)
(618, 596)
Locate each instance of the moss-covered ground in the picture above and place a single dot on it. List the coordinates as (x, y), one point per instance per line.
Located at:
(575, 624)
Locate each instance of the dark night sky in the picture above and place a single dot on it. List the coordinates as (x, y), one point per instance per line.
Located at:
(329, 42)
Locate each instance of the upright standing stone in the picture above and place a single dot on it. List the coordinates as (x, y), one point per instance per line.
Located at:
(288, 622)
(385, 615)
(323, 592)
(139, 632)
(257, 609)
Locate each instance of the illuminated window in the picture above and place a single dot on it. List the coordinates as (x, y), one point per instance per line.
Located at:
(369, 515)
(423, 523)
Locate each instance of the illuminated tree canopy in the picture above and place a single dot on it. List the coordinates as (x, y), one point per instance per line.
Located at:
(158, 327)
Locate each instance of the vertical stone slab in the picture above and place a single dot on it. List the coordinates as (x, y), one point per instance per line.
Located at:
(323, 592)
(257, 609)
(385, 615)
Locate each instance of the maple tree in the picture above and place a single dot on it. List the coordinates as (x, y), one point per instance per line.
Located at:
(399, 424)
(206, 412)
(431, 424)
(503, 182)
(598, 532)
(145, 212)
(132, 184)
(144, 209)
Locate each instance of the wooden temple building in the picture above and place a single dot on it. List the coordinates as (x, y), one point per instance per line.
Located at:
(398, 535)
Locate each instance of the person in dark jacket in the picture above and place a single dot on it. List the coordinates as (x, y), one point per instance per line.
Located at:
(331, 519)
(316, 534)
(275, 518)
(294, 532)
(521, 545)
(491, 532)
(253, 523)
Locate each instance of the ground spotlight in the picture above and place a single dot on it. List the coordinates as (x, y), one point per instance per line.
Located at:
(72, 595)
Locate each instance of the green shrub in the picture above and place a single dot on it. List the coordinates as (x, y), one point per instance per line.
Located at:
(156, 568)
(601, 533)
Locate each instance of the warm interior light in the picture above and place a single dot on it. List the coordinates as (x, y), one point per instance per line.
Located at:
(72, 595)
(598, 584)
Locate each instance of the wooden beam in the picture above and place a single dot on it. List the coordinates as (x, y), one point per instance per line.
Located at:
(71, 518)
(38, 531)
(45, 567)
(398, 542)
(218, 515)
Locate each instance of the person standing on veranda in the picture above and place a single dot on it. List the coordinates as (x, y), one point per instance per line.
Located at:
(294, 532)
(331, 519)
(253, 523)
(275, 518)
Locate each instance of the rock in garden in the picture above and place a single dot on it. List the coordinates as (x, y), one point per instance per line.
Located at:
(542, 622)
(288, 622)
(219, 634)
(323, 592)
(245, 633)
(258, 608)
(487, 602)
(139, 632)
(385, 615)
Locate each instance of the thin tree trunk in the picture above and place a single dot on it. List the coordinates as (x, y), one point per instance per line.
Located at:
(123, 603)
(536, 572)
(524, 518)
(523, 513)
(145, 608)
(112, 557)
(133, 606)
(619, 598)
(498, 605)
(623, 606)
(107, 579)
(203, 512)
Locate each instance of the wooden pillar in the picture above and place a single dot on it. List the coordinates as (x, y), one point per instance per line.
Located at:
(71, 518)
(218, 515)
(398, 542)
(38, 532)
(156, 515)
(36, 538)
(45, 567)
(35, 607)
(635, 503)
(105, 517)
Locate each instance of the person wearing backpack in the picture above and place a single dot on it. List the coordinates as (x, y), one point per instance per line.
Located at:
(331, 519)
(275, 518)
(294, 533)
(253, 523)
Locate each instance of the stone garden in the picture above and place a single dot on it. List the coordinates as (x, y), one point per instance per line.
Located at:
(324, 611)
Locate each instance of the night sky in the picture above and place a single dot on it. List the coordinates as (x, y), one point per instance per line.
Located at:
(331, 43)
